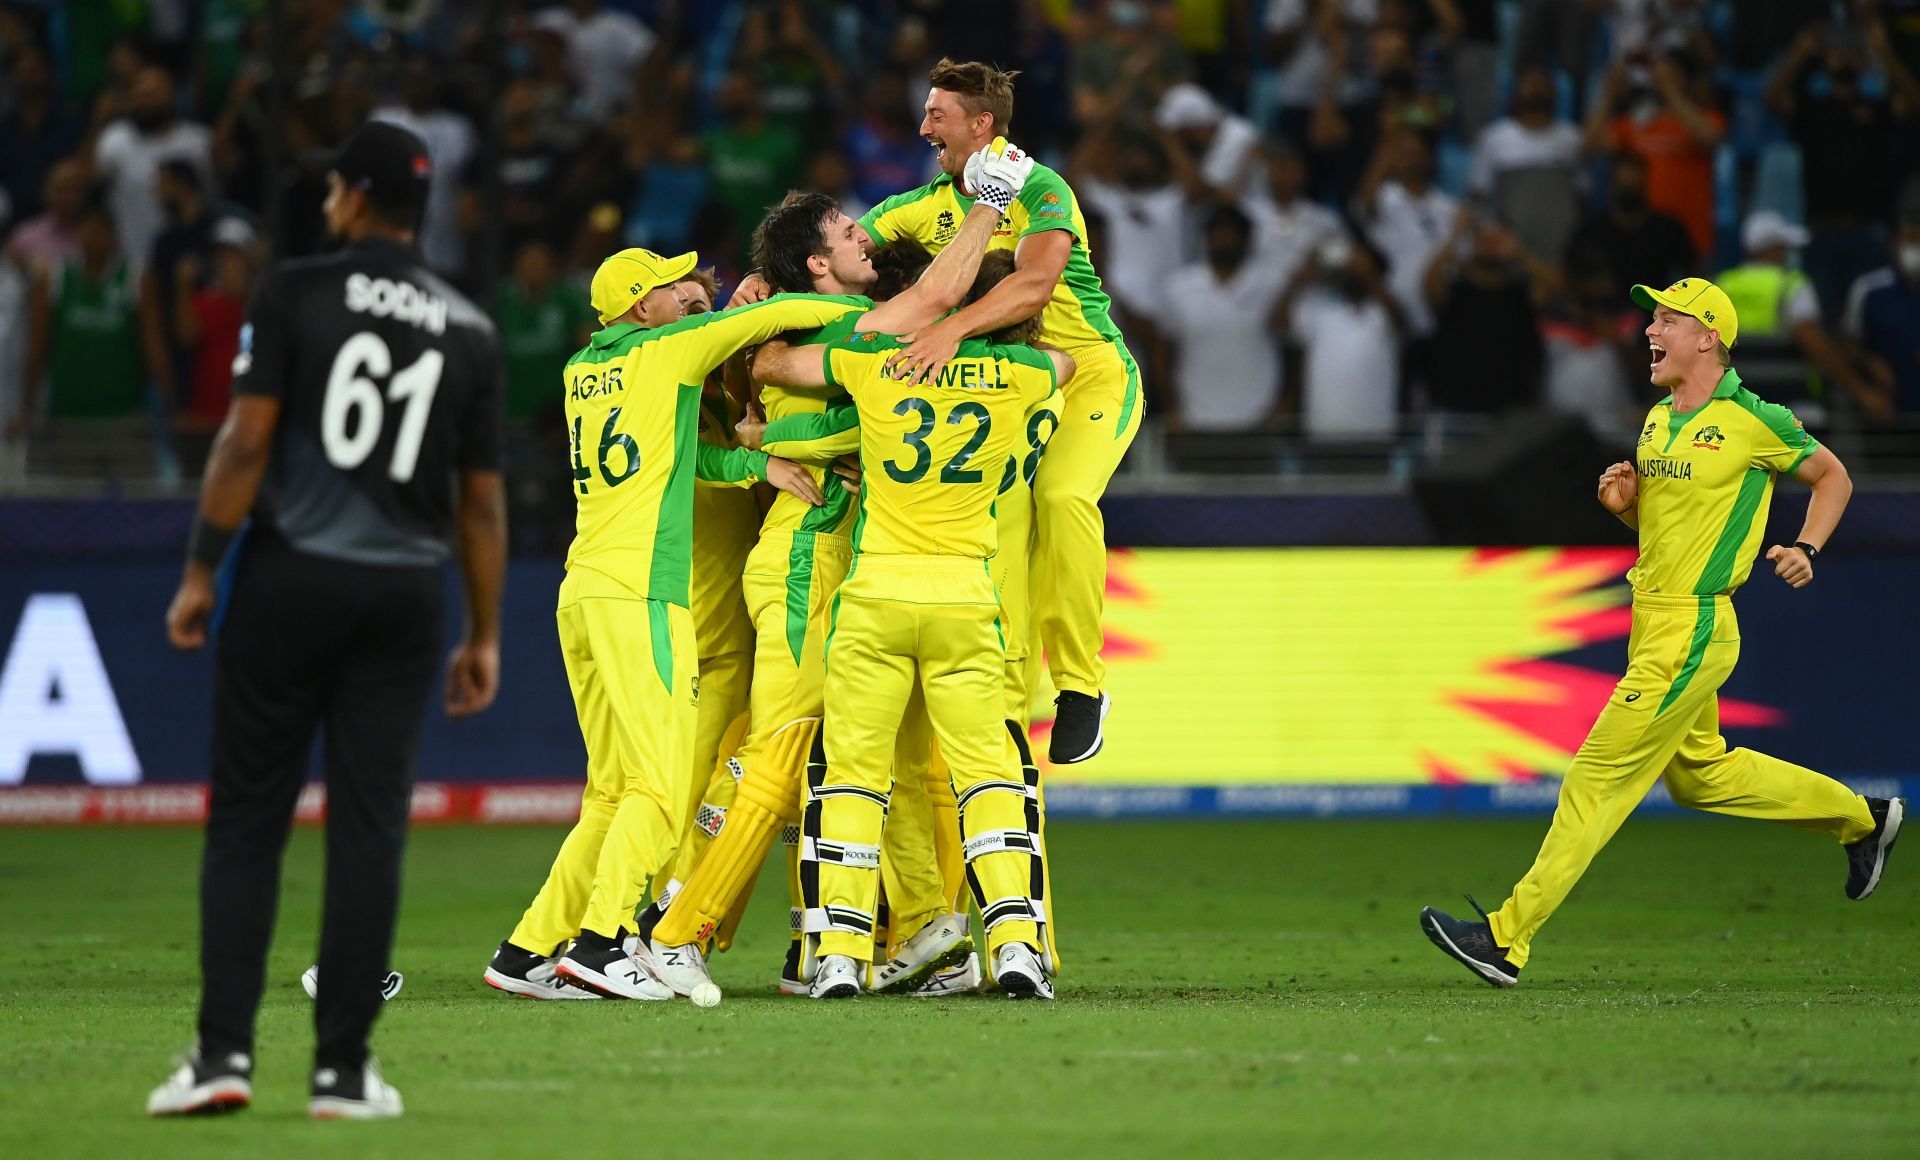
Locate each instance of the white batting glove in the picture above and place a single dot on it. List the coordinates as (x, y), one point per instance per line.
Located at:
(998, 172)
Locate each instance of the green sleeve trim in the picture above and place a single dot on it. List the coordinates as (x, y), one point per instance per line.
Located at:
(1812, 446)
(713, 464)
(1049, 203)
(1774, 417)
(817, 438)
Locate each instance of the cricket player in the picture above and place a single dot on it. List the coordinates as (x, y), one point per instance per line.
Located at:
(795, 569)
(918, 609)
(726, 522)
(1698, 493)
(967, 105)
(633, 399)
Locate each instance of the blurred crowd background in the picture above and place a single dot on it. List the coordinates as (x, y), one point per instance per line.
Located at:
(1346, 238)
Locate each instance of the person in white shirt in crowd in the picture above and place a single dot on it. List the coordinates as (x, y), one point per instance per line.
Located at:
(1407, 218)
(1287, 226)
(1223, 147)
(50, 240)
(1596, 353)
(1530, 167)
(451, 144)
(1226, 373)
(1297, 32)
(1137, 185)
(1348, 324)
(128, 154)
(605, 48)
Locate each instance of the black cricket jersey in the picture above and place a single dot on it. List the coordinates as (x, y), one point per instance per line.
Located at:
(390, 383)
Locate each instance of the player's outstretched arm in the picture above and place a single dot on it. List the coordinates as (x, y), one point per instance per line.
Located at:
(1832, 488)
(234, 468)
(1039, 262)
(782, 365)
(693, 353)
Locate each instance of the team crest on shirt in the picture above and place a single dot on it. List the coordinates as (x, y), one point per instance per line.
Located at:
(944, 228)
(696, 690)
(1646, 435)
(1050, 198)
(1709, 438)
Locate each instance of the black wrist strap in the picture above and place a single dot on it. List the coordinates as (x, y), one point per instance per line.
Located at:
(208, 544)
(1812, 552)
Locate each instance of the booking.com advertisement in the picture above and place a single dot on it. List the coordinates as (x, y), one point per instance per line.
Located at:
(1244, 682)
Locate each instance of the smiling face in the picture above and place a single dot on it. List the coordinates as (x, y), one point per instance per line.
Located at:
(842, 265)
(956, 136)
(1679, 346)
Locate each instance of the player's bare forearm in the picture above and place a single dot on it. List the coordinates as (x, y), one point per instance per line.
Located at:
(1020, 296)
(1832, 489)
(799, 367)
(483, 551)
(238, 460)
(945, 282)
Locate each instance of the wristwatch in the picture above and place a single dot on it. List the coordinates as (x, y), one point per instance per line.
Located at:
(1812, 552)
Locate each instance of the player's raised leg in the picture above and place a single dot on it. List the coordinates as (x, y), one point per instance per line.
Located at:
(1097, 425)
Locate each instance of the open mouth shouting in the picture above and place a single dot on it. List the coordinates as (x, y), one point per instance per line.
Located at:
(1657, 353)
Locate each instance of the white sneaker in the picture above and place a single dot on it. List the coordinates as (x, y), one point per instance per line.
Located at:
(943, 942)
(389, 986)
(683, 968)
(611, 972)
(1017, 971)
(838, 978)
(964, 979)
(530, 976)
(201, 1087)
(353, 1094)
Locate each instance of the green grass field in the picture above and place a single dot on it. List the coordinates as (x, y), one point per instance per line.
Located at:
(1233, 989)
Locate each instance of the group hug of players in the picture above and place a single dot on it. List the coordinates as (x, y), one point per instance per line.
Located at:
(849, 672)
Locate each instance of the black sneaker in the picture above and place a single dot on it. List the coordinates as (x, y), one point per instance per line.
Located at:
(1472, 943)
(1077, 719)
(204, 1087)
(529, 974)
(603, 966)
(790, 983)
(1868, 857)
(353, 1093)
(648, 918)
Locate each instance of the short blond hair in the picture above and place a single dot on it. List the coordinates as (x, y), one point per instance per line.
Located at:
(981, 87)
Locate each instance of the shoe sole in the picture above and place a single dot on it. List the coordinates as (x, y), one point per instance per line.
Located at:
(839, 991)
(521, 989)
(216, 1098)
(1439, 938)
(1099, 735)
(334, 1108)
(909, 981)
(604, 990)
(793, 986)
(1889, 834)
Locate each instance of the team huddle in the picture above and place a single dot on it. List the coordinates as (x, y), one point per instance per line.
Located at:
(939, 397)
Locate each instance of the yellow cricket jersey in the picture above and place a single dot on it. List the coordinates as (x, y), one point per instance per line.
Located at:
(633, 406)
(1705, 481)
(1078, 314)
(726, 522)
(790, 513)
(934, 455)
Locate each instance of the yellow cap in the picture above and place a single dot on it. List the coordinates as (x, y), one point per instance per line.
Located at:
(625, 278)
(1699, 298)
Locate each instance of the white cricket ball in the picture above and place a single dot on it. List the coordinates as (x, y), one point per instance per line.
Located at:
(705, 995)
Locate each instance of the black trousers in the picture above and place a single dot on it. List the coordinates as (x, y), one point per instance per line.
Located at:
(312, 643)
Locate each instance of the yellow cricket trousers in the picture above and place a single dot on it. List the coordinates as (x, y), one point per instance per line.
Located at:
(1097, 425)
(882, 648)
(717, 736)
(789, 594)
(1663, 721)
(630, 662)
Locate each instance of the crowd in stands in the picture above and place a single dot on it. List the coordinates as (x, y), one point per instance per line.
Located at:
(1372, 222)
